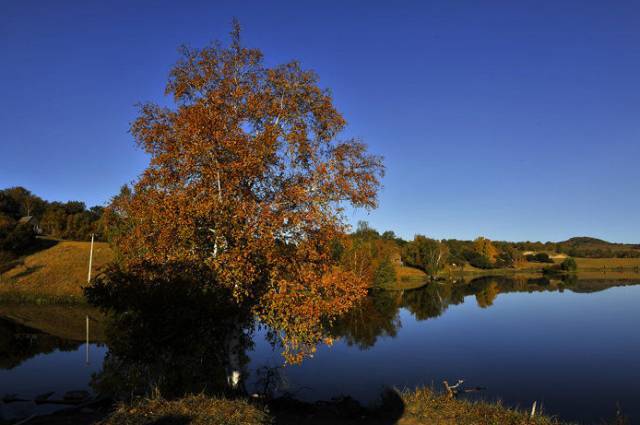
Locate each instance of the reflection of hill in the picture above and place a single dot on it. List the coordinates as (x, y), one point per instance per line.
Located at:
(19, 343)
(66, 322)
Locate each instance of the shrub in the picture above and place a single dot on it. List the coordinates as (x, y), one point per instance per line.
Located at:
(541, 257)
(477, 260)
(569, 265)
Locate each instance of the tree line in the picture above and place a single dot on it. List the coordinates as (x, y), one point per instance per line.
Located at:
(374, 255)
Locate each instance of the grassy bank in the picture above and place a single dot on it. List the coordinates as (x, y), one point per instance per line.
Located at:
(420, 407)
(424, 406)
(193, 410)
(408, 277)
(54, 275)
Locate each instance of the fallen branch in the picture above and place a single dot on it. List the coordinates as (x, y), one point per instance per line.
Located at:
(454, 390)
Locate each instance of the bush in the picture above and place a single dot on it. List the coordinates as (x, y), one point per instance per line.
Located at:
(569, 265)
(477, 260)
(541, 257)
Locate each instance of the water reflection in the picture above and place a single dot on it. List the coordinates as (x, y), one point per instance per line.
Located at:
(177, 338)
(378, 315)
(19, 343)
(374, 317)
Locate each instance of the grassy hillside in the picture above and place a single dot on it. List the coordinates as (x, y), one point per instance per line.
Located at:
(56, 272)
(587, 264)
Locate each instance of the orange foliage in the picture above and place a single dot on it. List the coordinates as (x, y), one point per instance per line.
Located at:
(246, 179)
(484, 247)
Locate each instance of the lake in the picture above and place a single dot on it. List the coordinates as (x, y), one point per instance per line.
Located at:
(572, 346)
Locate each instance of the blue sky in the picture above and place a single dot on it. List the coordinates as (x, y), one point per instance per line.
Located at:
(513, 120)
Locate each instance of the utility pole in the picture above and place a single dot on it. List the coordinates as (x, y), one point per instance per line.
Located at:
(90, 260)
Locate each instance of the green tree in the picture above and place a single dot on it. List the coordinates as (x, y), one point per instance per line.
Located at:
(426, 254)
(569, 265)
(385, 274)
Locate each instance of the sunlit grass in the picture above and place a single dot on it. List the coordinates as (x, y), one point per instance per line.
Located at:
(607, 263)
(424, 406)
(59, 272)
(194, 410)
(419, 407)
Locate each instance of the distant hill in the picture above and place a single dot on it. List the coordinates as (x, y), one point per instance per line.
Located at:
(584, 246)
(579, 241)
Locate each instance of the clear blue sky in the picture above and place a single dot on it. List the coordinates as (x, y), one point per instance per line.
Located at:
(514, 120)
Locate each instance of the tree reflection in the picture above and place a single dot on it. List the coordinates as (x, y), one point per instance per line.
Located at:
(375, 316)
(432, 300)
(485, 290)
(174, 337)
(378, 315)
(179, 336)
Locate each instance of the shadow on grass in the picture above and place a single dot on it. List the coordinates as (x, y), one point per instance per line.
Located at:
(27, 272)
(9, 260)
(40, 244)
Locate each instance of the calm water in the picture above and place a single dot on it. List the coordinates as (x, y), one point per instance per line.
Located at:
(573, 347)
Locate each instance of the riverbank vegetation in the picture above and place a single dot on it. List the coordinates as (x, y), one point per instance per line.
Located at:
(420, 407)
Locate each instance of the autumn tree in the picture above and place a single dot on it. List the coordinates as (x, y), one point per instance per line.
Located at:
(247, 182)
(484, 247)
